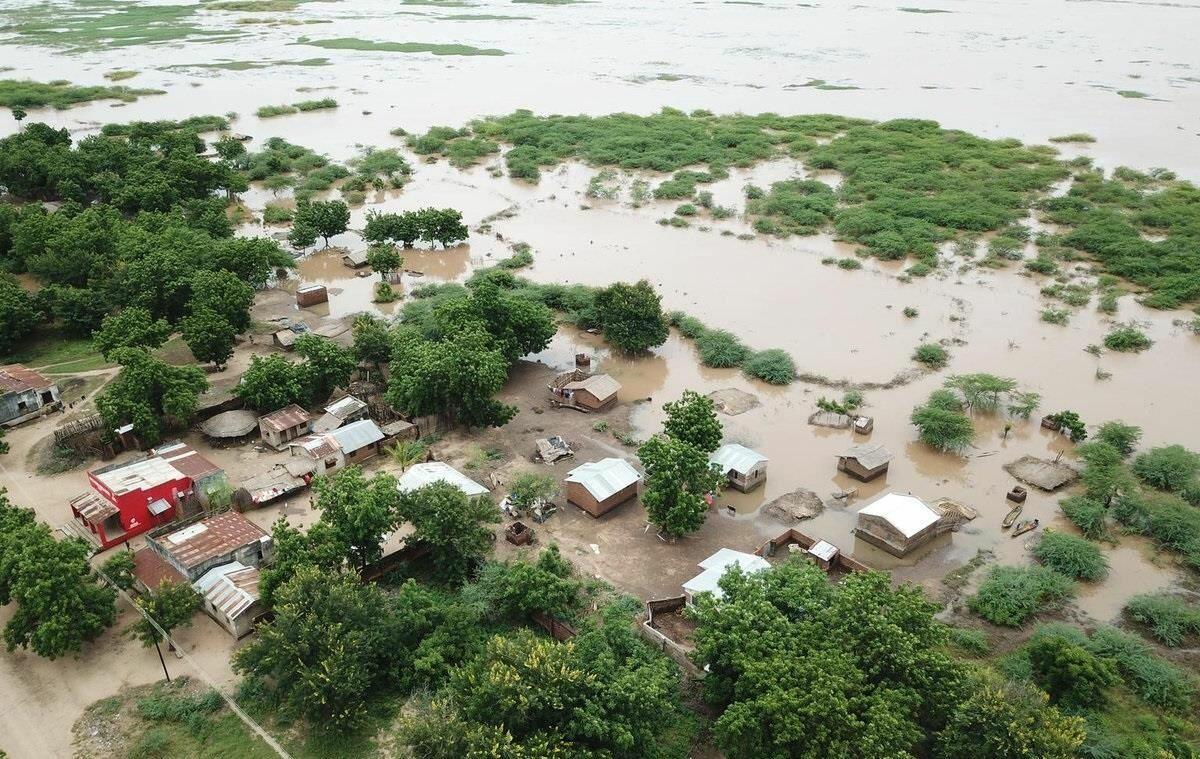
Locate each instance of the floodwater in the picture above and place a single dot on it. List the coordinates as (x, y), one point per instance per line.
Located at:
(1026, 69)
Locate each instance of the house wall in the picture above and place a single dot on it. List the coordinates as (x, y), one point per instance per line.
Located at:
(238, 626)
(749, 481)
(858, 471)
(362, 454)
(579, 495)
(587, 400)
(135, 516)
(279, 439)
(17, 407)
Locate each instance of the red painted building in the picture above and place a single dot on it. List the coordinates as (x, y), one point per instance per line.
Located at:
(130, 498)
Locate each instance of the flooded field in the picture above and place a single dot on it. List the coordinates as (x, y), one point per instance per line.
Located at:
(1028, 70)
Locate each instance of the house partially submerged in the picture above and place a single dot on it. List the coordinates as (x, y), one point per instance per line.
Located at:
(133, 497)
(356, 259)
(279, 428)
(598, 487)
(587, 392)
(419, 475)
(864, 461)
(219, 556)
(898, 524)
(352, 444)
(716, 566)
(743, 468)
(343, 411)
(25, 394)
(311, 295)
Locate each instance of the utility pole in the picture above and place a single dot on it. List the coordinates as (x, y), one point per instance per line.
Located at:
(162, 660)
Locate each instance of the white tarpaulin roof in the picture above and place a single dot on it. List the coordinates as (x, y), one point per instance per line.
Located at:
(739, 458)
(715, 567)
(420, 475)
(605, 477)
(357, 435)
(908, 514)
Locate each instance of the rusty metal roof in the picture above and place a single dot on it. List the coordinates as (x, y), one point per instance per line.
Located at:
(210, 538)
(92, 507)
(284, 418)
(152, 569)
(15, 378)
(185, 458)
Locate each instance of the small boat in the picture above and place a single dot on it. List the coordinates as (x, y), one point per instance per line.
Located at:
(1011, 517)
(1025, 526)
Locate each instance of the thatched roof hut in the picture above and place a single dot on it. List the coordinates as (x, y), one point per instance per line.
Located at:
(230, 424)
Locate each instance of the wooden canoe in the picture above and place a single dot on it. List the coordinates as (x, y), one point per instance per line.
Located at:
(1024, 527)
(1011, 517)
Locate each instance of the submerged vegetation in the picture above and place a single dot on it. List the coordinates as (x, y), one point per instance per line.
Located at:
(354, 43)
(267, 111)
(24, 93)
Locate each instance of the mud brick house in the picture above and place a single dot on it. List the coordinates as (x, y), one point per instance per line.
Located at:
(598, 487)
(25, 394)
(742, 468)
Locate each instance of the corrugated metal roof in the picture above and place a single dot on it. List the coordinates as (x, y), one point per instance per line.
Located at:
(908, 514)
(232, 588)
(738, 458)
(419, 475)
(92, 507)
(346, 407)
(142, 474)
(152, 569)
(284, 418)
(316, 446)
(16, 378)
(357, 435)
(600, 385)
(870, 455)
(185, 458)
(210, 538)
(604, 478)
(715, 567)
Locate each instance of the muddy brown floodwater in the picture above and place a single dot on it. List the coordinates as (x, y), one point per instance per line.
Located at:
(1024, 69)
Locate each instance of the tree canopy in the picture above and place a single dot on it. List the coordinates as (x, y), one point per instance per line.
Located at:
(678, 476)
(631, 316)
(456, 528)
(149, 394)
(693, 419)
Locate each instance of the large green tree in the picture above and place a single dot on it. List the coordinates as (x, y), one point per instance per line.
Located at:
(518, 325)
(693, 419)
(171, 605)
(678, 476)
(799, 667)
(59, 604)
(209, 336)
(325, 217)
(631, 316)
(225, 294)
(149, 394)
(457, 377)
(942, 424)
(384, 259)
(359, 512)
(272, 382)
(327, 365)
(18, 315)
(130, 328)
(372, 340)
(1007, 721)
(456, 528)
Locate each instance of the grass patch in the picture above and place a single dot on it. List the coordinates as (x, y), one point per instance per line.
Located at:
(1089, 515)
(86, 26)
(773, 366)
(60, 94)
(1127, 338)
(120, 75)
(249, 65)
(57, 353)
(354, 43)
(269, 111)
(932, 355)
(721, 349)
(1135, 94)
(1009, 596)
(1170, 619)
(1057, 316)
(1080, 137)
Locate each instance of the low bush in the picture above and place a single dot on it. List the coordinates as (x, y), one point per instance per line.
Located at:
(1072, 556)
(973, 642)
(1127, 338)
(1011, 595)
(1089, 515)
(910, 312)
(1169, 618)
(849, 264)
(773, 366)
(276, 214)
(721, 349)
(1154, 680)
(932, 355)
(1057, 316)
(1070, 673)
(1169, 468)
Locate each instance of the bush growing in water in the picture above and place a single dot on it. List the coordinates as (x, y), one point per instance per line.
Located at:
(721, 349)
(773, 366)
(1169, 468)
(941, 422)
(1127, 339)
(1072, 556)
(1089, 515)
(1010, 595)
(932, 355)
(1170, 619)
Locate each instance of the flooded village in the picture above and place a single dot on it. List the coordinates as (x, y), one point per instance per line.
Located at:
(350, 383)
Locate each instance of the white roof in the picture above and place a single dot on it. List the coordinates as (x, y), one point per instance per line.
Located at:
(357, 435)
(227, 587)
(139, 475)
(715, 567)
(823, 550)
(345, 407)
(604, 478)
(737, 457)
(420, 475)
(908, 514)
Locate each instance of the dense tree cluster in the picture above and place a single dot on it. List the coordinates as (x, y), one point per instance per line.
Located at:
(272, 382)
(59, 603)
(679, 476)
(430, 225)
